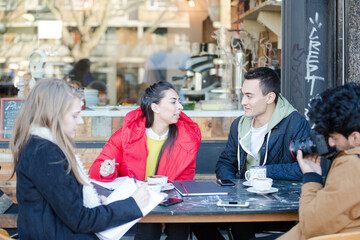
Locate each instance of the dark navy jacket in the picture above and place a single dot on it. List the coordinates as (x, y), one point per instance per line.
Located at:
(280, 164)
(51, 201)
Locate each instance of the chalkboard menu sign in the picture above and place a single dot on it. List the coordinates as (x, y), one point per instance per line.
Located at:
(9, 109)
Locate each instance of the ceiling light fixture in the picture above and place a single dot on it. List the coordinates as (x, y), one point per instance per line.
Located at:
(87, 4)
(191, 3)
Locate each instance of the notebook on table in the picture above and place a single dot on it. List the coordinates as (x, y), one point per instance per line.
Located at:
(199, 188)
(125, 190)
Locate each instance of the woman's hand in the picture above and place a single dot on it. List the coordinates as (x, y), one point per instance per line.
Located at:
(141, 196)
(310, 163)
(107, 167)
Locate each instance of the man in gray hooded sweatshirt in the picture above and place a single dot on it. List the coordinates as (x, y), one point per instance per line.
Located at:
(261, 137)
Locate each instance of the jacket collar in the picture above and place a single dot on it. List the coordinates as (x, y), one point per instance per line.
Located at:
(353, 151)
(134, 125)
(134, 128)
(282, 110)
(42, 132)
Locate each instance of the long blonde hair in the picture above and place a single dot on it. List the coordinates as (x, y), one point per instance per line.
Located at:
(45, 106)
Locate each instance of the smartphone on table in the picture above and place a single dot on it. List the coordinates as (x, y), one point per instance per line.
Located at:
(225, 182)
(171, 201)
(243, 204)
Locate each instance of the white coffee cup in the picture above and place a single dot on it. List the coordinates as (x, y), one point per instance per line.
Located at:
(262, 184)
(255, 172)
(158, 179)
(155, 187)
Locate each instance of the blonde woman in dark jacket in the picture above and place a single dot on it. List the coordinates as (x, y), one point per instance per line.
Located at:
(55, 197)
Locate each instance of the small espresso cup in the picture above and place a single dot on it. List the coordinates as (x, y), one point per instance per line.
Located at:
(155, 187)
(255, 172)
(158, 179)
(262, 184)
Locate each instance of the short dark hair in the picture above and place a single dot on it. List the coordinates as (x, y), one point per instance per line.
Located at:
(337, 110)
(269, 80)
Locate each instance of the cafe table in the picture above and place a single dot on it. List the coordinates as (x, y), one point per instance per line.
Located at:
(274, 207)
(280, 206)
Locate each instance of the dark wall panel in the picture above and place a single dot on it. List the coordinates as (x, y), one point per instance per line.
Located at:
(307, 49)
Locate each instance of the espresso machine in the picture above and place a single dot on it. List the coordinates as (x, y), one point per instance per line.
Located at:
(201, 76)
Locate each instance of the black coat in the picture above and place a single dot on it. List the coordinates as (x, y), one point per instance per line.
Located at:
(51, 201)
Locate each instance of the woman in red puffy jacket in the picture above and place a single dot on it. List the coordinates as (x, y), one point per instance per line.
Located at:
(157, 138)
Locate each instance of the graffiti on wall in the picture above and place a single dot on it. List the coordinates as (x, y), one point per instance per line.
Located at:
(312, 59)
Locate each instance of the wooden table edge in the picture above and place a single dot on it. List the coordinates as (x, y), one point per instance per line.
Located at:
(266, 217)
(10, 220)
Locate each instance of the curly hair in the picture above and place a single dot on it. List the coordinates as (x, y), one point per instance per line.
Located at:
(337, 110)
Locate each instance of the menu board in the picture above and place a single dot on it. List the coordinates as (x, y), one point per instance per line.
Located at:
(9, 109)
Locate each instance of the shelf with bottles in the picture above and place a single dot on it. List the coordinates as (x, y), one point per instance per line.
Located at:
(252, 13)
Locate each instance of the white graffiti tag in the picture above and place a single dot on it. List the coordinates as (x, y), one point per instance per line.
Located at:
(312, 58)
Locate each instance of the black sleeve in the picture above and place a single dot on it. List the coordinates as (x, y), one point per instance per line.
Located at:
(227, 165)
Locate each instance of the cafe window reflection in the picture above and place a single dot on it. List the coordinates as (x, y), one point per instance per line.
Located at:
(155, 40)
(8, 5)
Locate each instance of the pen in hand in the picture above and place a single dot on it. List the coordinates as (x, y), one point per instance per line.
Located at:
(135, 181)
(141, 195)
(115, 163)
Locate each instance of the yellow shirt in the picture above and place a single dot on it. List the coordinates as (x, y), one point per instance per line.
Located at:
(154, 147)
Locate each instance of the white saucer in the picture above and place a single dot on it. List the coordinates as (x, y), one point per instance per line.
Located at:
(271, 190)
(167, 187)
(247, 184)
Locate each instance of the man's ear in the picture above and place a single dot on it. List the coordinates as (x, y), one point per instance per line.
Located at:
(270, 97)
(154, 108)
(354, 139)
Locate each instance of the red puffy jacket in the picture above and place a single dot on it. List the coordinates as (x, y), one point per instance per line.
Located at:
(128, 146)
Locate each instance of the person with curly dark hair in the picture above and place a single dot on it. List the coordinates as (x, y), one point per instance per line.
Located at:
(333, 206)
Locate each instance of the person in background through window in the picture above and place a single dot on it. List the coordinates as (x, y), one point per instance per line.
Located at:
(81, 72)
